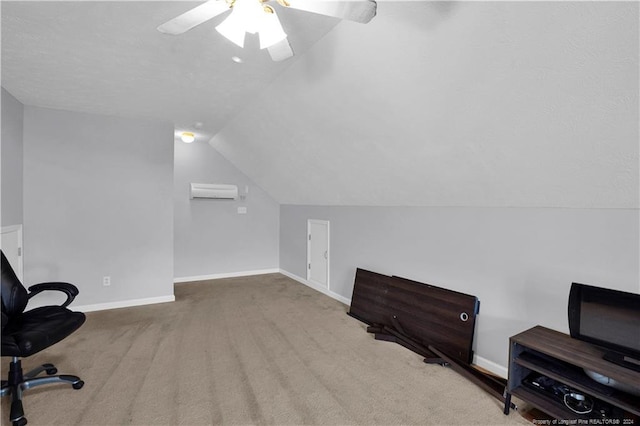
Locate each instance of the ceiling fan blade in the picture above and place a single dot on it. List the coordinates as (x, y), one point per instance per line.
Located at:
(194, 17)
(280, 51)
(353, 10)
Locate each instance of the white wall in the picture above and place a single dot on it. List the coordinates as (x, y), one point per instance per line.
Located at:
(98, 201)
(520, 262)
(512, 127)
(12, 121)
(210, 237)
(473, 103)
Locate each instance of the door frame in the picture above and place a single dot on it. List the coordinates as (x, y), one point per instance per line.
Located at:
(19, 268)
(325, 223)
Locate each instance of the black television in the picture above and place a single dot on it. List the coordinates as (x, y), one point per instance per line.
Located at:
(608, 318)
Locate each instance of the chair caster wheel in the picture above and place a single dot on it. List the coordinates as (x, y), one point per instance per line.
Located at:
(51, 371)
(20, 422)
(78, 385)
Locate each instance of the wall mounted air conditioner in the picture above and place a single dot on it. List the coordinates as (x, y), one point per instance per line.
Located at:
(214, 190)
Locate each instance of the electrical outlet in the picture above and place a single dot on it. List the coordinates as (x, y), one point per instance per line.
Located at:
(242, 210)
(106, 281)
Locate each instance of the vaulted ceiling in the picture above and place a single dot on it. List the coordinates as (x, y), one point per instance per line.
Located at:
(431, 103)
(106, 57)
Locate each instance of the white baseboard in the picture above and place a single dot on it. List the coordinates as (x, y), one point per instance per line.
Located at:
(491, 366)
(477, 360)
(322, 290)
(164, 299)
(124, 304)
(225, 275)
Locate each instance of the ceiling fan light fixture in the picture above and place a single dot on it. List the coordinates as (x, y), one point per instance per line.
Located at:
(256, 16)
(232, 29)
(251, 14)
(271, 31)
(187, 137)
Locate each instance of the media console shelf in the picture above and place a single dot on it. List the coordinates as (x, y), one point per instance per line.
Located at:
(557, 356)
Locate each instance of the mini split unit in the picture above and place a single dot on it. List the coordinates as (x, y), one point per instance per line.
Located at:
(213, 191)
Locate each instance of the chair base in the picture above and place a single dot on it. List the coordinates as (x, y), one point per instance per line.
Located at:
(17, 383)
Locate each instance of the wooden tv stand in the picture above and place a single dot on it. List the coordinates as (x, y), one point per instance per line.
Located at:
(562, 358)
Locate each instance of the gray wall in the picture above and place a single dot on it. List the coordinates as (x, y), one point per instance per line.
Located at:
(12, 120)
(98, 202)
(520, 262)
(469, 103)
(210, 236)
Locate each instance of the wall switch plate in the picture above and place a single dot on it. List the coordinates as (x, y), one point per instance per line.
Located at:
(242, 210)
(106, 281)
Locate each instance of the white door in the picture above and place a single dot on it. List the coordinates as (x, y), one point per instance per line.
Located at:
(11, 244)
(318, 252)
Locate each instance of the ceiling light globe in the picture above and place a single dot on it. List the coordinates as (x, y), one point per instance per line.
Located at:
(187, 137)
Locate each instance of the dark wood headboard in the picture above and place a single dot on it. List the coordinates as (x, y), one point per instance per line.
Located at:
(429, 315)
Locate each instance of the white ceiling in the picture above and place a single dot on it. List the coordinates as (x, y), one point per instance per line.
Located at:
(513, 104)
(108, 58)
(431, 103)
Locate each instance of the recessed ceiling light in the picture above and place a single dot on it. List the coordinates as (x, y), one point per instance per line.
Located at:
(236, 59)
(187, 137)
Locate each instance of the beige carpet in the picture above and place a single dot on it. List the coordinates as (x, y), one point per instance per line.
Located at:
(254, 350)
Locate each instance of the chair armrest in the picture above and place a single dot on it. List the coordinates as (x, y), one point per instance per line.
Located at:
(5, 320)
(69, 289)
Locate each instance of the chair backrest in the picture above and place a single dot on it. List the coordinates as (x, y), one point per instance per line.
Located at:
(14, 295)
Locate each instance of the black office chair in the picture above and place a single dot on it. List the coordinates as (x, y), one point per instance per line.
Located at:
(26, 333)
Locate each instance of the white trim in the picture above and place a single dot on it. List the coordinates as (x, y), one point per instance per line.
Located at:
(19, 268)
(322, 290)
(124, 304)
(11, 228)
(225, 275)
(327, 224)
(477, 360)
(491, 366)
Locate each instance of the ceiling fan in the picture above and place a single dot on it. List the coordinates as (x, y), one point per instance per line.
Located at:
(258, 16)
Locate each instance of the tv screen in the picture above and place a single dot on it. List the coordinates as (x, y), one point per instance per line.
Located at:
(609, 318)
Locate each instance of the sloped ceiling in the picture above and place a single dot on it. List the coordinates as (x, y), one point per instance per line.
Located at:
(106, 57)
(454, 104)
(431, 103)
